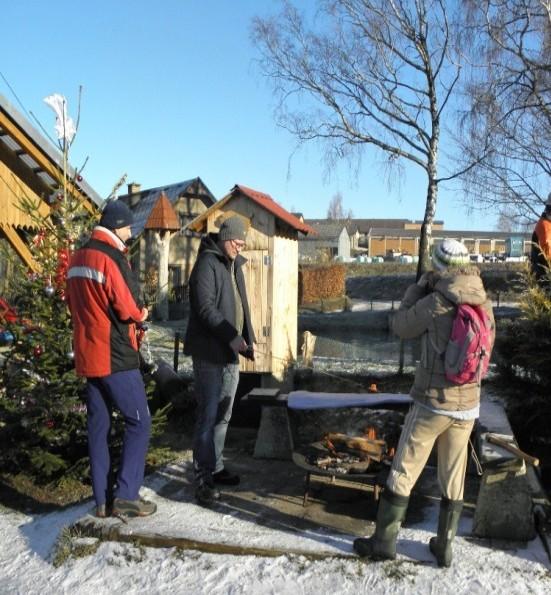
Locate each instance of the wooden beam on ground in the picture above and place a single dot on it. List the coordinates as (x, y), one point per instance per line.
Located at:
(114, 530)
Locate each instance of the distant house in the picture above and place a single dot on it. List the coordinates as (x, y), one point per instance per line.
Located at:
(331, 240)
(188, 199)
(30, 167)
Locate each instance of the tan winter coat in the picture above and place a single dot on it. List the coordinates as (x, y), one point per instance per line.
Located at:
(430, 316)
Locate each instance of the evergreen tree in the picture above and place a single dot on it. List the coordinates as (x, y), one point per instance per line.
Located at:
(42, 414)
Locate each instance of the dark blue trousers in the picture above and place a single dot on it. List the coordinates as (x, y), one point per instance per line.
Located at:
(125, 392)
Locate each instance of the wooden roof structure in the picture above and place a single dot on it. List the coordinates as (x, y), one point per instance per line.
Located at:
(141, 202)
(260, 198)
(163, 217)
(30, 167)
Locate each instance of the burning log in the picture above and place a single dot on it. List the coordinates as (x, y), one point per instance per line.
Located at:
(341, 463)
(374, 449)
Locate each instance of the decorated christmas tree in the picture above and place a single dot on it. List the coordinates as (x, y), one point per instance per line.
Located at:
(42, 414)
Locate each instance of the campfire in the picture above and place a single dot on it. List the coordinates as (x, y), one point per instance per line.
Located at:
(342, 453)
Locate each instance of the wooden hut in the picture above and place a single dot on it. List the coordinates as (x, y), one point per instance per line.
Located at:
(271, 273)
(30, 167)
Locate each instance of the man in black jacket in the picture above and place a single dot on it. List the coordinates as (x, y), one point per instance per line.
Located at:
(219, 330)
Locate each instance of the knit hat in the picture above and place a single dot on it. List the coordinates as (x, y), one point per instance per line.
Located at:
(449, 253)
(116, 214)
(233, 228)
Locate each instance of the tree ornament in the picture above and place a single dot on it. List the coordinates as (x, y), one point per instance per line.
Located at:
(71, 355)
(50, 424)
(6, 338)
(38, 350)
(49, 290)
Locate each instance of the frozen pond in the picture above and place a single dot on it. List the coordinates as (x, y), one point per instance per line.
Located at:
(373, 346)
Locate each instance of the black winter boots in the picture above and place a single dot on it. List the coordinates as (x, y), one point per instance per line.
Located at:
(382, 545)
(448, 521)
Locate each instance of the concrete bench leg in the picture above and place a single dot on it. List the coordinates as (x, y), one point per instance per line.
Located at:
(504, 506)
(274, 440)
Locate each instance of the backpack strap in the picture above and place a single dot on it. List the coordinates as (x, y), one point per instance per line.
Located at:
(442, 353)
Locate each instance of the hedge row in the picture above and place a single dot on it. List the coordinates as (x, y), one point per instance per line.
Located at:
(316, 283)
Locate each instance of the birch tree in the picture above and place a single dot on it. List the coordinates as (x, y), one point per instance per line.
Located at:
(366, 72)
(509, 105)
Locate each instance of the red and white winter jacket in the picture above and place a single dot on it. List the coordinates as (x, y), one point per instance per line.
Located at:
(103, 299)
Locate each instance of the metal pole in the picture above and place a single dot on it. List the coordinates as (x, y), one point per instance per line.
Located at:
(176, 349)
(401, 357)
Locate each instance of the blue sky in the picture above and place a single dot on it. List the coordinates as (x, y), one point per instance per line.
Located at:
(171, 91)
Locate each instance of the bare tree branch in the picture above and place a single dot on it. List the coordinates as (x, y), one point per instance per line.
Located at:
(366, 72)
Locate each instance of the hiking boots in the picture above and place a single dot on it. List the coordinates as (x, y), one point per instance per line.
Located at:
(206, 493)
(133, 508)
(103, 511)
(226, 478)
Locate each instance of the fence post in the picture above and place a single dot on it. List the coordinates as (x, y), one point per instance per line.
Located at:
(401, 358)
(176, 350)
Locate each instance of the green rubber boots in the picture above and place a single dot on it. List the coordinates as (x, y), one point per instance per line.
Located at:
(382, 545)
(448, 521)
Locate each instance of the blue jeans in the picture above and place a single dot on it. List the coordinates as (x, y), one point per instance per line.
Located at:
(215, 387)
(124, 391)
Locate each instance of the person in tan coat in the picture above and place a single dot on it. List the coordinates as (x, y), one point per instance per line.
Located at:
(443, 413)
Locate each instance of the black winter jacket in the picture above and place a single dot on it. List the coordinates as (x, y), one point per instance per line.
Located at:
(211, 325)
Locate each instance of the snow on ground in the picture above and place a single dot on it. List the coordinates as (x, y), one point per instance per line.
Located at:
(27, 545)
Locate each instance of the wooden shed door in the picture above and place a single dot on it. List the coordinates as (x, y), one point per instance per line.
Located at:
(256, 280)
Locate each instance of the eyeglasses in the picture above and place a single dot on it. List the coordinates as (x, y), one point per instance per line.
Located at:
(238, 244)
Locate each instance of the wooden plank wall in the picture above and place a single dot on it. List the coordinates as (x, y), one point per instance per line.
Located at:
(285, 304)
(12, 189)
(256, 279)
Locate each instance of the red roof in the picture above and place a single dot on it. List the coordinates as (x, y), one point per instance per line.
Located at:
(163, 216)
(266, 201)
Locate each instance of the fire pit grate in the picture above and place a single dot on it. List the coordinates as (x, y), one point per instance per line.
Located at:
(369, 466)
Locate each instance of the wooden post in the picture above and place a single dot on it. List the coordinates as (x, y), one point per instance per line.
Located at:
(307, 349)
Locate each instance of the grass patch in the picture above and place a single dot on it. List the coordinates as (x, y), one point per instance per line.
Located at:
(399, 570)
(22, 493)
(70, 544)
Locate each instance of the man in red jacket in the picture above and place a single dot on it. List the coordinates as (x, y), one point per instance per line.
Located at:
(105, 307)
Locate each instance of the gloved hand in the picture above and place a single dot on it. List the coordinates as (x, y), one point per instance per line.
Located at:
(238, 344)
(248, 353)
(428, 280)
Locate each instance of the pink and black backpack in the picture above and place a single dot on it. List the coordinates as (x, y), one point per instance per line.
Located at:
(468, 352)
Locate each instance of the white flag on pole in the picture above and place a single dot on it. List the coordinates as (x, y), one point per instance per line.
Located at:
(64, 125)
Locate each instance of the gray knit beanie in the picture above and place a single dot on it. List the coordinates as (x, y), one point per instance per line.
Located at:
(449, 253)
(233, 228)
